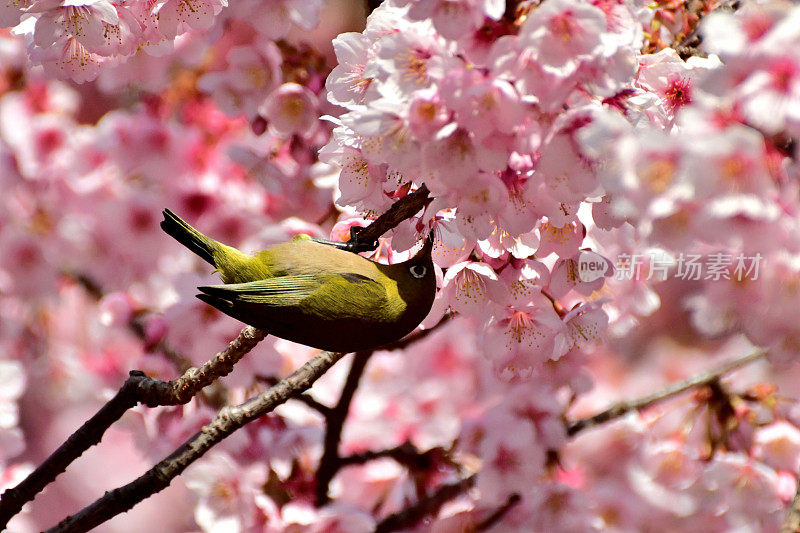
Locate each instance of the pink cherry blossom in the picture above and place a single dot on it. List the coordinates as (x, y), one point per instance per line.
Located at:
(563, 241)
(346, 84)
(453, 19)
(521, 340)
(466, 284)
(476, 97)
(65, 20)
(13, 379)
(585, 324)
(252, 73)
(291, 110)
(672, 79)
(275, 19)
(427, 115)
(562, 34)
(410, 60)
(520, 284)
(778, 445)
(177, 16)
(11, 12)
(511, 457)
(227, 493)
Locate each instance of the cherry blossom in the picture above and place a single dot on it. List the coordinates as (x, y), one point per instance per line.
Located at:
(177, 16)
(253, 71)
(291, 109)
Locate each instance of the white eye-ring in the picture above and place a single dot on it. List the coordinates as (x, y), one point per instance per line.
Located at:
(418, 271)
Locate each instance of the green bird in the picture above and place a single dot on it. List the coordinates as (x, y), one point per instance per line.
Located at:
(313, 293)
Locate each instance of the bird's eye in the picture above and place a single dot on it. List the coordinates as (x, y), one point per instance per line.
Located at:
(418, 271)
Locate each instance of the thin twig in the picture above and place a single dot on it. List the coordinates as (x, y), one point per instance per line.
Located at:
(365, 239)
(194, 379)
(313, 403)
(138, 388)
(405, 454)
(85, 437)
(417, 335)
(494, 518)
(622, 408)
(407, 518)
(303, 397)
(329, 463)
(227, 421)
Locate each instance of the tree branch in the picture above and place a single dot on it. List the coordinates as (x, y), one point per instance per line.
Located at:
(329, 463)
(430, 505)
(85, 437)
(406, 454)
(313, 403)
(137, 388)
(622, 408)
(492, 520)
(407, 518)
(366, 239)
(302, 397)
(227, 421)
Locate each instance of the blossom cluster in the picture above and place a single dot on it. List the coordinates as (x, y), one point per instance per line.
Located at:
(78, 38)
(551, 136)
(555, 139)
(482, 123)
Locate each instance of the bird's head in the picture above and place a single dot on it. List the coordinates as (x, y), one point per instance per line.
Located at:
(416, 280)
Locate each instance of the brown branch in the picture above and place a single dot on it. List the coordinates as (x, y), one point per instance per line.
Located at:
(329, 463)
(138, 388)
(407, 518)
(406, 454)
(84, 438)
(194, 379)
(494, 518)
(418, 335)
(430, 505)
(313, 403)
(227, 421)
(366, 239)
(622, 408)
(302, 397)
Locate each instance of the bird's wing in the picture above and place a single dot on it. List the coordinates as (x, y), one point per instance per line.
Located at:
(280, 291)
(319, 291)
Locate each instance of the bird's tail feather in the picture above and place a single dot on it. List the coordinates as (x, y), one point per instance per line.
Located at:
(189, 237)
(227, 307)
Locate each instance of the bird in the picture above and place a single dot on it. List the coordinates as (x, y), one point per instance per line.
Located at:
(310, 292)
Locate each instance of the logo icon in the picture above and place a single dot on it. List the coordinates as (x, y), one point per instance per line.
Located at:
(592, 266)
